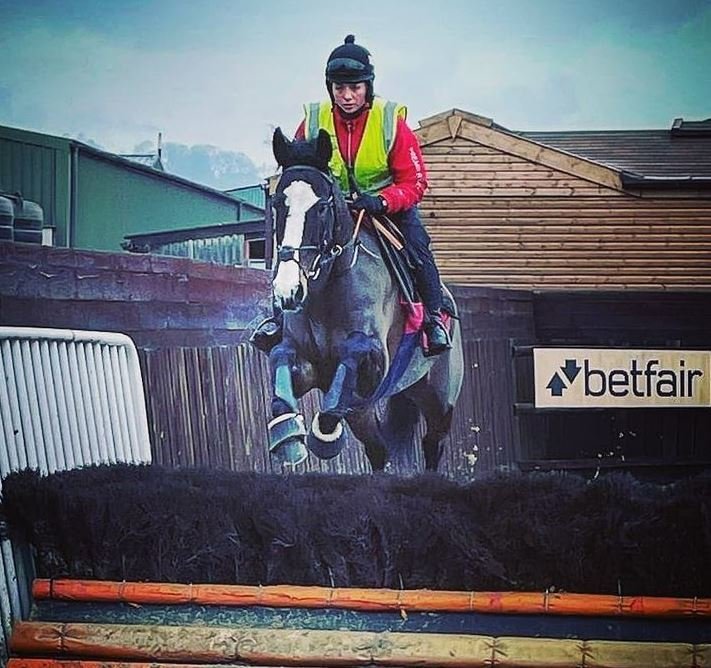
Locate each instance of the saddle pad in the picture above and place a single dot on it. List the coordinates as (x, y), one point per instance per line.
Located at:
(412, 337)
(415, 316)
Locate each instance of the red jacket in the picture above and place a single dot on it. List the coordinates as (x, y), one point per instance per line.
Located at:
(407, 167)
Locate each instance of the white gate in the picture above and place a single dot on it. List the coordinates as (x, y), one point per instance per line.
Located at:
(67, 399)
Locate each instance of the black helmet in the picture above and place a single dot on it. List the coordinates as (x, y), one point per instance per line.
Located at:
(350, 63)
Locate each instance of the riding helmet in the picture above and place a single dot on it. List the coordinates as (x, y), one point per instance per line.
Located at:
(350, 63)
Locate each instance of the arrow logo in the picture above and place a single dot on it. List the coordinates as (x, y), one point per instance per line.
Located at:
(556, 385)
(571, 369)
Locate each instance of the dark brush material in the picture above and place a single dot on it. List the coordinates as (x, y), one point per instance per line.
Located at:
(685, 630)
(527, 532)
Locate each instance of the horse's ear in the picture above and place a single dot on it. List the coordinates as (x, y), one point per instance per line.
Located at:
(281, 146)
(324, 147)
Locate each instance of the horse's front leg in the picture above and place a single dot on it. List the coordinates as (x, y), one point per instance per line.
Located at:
(287, 432)
(359, 372)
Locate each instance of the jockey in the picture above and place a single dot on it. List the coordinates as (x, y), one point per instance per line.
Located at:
(376, 158)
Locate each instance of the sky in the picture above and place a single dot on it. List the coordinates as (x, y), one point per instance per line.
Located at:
(226, 72)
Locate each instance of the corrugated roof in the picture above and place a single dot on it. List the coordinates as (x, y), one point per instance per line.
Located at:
(651, 153)
(254, 195)
(40, 139)
(146, 159)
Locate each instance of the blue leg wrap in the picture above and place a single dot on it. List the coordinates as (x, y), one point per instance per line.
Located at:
(287, 434)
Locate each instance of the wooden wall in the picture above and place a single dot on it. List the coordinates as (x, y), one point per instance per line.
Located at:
(207, 391)
(501, 220)
(158, 301)
(210, 406)
(658, 442)
(208, 394)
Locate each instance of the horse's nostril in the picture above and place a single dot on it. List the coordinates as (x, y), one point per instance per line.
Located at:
(295, 302)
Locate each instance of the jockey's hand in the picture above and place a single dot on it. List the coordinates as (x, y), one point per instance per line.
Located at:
(373, 204)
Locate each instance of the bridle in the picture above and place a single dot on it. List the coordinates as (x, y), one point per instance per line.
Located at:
(328, 250)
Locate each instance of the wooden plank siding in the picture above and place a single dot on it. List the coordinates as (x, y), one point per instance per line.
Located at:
(210, 406)
(503, 220)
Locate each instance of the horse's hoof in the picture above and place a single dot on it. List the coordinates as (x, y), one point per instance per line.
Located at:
(292, 452)
(325, 446)
(266, 335)
(286, 438)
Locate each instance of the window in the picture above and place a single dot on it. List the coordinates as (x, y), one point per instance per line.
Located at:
(256, 253)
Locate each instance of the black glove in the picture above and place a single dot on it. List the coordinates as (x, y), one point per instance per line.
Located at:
(373, 204)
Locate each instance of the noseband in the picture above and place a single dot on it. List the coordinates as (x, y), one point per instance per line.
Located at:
(327, 250)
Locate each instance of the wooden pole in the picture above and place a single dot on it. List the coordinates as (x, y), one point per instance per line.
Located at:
(374, 599)
(198, 644)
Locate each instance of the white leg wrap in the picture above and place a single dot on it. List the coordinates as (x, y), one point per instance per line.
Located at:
(285, 416)
(326, 438)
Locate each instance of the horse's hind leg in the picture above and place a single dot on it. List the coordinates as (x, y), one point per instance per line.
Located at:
(366, 428)
(436, 395)
(439, 421)
(437, 408)
(399, 420)
(388, 436)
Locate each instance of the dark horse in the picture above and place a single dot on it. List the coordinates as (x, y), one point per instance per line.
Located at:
(343, 322)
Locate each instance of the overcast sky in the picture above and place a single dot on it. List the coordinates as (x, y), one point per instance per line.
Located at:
(225, 72)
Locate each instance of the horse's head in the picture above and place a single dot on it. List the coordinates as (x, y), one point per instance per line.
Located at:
(305, 215)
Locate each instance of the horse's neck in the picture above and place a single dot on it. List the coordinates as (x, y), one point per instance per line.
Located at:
(344, 220)
(359, 275)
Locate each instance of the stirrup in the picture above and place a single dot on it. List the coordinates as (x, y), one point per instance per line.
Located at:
(442, 343)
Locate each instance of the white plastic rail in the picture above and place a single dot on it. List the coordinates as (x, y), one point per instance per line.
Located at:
(68, 398)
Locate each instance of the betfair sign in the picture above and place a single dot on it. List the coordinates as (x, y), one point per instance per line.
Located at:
(595, 377)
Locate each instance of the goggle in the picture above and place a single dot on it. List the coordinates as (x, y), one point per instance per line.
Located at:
(347, 65)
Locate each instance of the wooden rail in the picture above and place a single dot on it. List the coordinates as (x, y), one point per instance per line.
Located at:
(551, 603)
(338, 648)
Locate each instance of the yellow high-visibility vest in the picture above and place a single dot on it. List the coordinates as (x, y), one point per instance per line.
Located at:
(370, 168)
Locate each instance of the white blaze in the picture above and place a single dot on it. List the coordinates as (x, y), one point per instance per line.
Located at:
(300, 198)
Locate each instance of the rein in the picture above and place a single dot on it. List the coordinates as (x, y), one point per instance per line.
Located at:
(328, 250)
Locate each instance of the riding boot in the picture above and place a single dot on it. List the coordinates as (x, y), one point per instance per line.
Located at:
(269, 332)
(438, 340)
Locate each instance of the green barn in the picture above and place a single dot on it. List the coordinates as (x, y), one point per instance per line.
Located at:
(93, 199)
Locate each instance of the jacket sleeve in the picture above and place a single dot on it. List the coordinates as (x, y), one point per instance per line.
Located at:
(407, 169)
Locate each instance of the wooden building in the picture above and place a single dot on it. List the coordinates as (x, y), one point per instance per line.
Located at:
(608, 233)
(566, 210)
